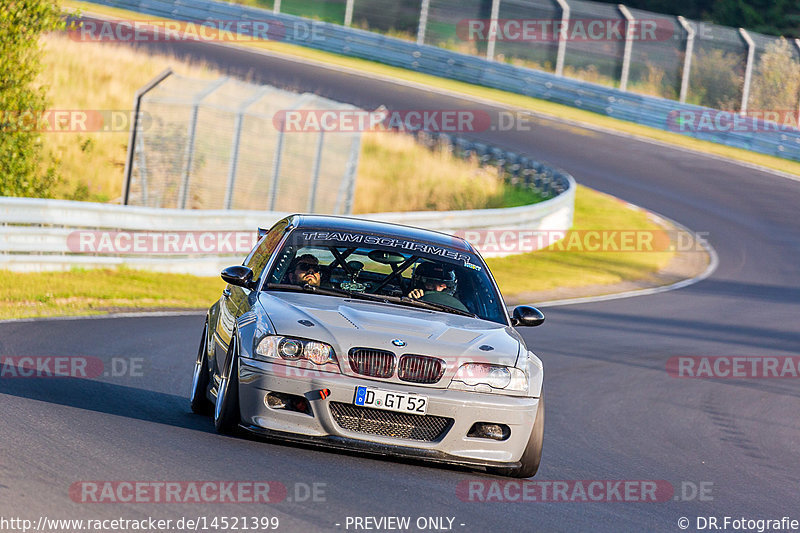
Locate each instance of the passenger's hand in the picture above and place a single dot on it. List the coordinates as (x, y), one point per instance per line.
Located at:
(416, 294)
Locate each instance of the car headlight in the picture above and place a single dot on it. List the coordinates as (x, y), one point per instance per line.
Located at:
(486, 376)
(277, 347)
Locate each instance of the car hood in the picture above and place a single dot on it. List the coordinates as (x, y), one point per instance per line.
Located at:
(347, 323)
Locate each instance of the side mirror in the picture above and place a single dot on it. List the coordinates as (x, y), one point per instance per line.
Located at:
(527, 316)
(238, 275)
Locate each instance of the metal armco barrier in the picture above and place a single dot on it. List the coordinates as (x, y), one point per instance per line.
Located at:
(695, 121)
(45, 235)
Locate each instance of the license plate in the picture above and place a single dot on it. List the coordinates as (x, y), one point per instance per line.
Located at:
(391, 401)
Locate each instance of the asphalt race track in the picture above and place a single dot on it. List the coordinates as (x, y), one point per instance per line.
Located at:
(614, 412)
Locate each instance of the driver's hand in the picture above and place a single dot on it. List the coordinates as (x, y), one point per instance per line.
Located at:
(416, 294)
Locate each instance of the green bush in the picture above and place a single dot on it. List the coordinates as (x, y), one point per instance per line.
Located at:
(21, 170)
(716, 80)
(776, 81)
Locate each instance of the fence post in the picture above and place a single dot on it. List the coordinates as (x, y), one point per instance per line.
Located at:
(189, 153)
(237, 134)
(492, 30)
(137, 100)
(423, 21)
(276, 7)
(687, 59)
(276, 162)
(142, 169)
(348, 13)
(748, 70)
(630, 23)
(348, 186)
(315, 171)
(562, 37)
(276, 168)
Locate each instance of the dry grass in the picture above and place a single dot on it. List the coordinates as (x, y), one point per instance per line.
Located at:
(420, 179)
(93, 76)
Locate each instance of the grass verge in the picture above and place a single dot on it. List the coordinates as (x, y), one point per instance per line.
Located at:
(87, 292)
(500, 97)
(548, 269)
(93, 292)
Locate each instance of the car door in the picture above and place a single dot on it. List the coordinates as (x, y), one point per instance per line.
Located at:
(235, 301)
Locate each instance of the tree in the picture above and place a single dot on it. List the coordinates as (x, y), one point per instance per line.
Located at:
(777, 79)
(773, 17)
(717, 79)
(21, 101)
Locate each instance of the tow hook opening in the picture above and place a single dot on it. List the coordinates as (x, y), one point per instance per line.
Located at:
(489, 430)
(288, 402)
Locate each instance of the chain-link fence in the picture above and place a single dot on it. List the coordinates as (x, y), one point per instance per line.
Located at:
(225, 144)
(631, 49)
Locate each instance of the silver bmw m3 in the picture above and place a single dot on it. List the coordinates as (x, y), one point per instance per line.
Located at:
(377, 337)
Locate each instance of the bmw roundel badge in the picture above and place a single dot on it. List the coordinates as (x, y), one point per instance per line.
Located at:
(398, 342)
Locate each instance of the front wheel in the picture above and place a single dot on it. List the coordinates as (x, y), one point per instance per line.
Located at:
(226, 407)
(200, 377)
(532, 455)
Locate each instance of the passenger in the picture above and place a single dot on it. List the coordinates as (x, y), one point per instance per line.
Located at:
(432, 277)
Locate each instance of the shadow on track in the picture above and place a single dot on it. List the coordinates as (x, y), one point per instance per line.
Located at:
(161, 408)
(109, 398)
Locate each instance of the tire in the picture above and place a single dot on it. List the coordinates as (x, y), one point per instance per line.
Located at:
(200, 378)
(532, 455)
(226, 407)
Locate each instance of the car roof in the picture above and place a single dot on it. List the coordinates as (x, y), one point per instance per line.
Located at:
(360, 225)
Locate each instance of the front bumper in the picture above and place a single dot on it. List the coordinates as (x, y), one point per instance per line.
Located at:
(258, 378)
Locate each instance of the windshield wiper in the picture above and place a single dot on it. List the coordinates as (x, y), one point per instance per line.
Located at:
(434, 306)
(325, 291)
(286, 287)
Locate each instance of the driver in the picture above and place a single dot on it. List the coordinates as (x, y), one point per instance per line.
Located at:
(432, 277)
(304, 270)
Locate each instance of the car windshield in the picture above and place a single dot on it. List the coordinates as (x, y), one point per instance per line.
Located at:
(386, 268)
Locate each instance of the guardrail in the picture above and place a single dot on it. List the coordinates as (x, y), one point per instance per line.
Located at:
(743, 132)
(48, 235)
